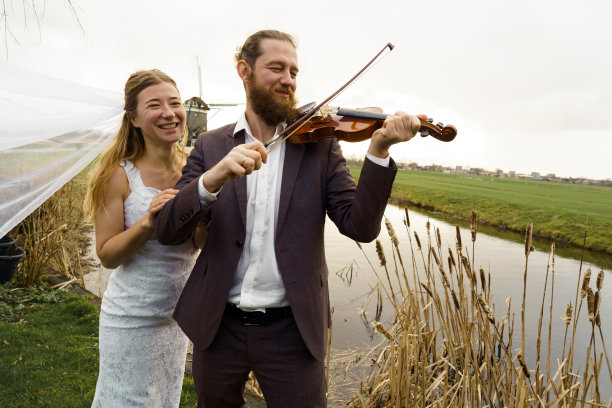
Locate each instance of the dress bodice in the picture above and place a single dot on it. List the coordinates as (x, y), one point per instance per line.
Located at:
(149, 283)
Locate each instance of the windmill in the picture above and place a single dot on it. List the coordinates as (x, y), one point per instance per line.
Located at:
(197, 111)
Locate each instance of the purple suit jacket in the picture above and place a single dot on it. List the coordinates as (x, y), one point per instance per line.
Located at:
(316, 182)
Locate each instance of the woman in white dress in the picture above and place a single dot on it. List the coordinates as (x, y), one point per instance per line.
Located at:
(142, 349)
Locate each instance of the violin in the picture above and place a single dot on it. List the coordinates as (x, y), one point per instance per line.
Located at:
(352, 125)
(316, 122)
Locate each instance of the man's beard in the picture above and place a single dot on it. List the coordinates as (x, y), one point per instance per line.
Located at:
(268, 107)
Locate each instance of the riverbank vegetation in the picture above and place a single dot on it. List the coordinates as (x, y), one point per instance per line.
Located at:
(450, 346)
(55, 236)
(559, 211)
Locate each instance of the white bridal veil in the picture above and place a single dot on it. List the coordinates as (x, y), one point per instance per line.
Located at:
(50, 129)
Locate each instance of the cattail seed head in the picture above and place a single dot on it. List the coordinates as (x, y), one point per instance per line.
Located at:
(455, 300)
(427, 225)
(451, 257)
(416, 236)
(591, 303)
(378, 327)
(600, 278)
(474, 225)
(435, 256)
(359, 245)
(483, 280)
(567, 317)
(585, 283)
(528, 239)
(598, 320)
(407, 219)
(459, 245)
(380, 253)
(596, 302)
(391, 232)
(429, 292)
(485, 308)
(438, 238)
(523, 365)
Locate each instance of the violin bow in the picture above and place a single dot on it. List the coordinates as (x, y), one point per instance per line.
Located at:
(290, 130)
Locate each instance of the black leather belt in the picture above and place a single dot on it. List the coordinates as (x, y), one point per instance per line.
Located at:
(272, 314)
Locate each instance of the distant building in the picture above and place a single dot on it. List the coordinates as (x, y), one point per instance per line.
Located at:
(512, 174)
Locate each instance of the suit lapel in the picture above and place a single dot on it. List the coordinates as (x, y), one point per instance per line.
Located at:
(294, 154)
(240, 186)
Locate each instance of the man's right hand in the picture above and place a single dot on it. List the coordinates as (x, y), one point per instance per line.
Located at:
(240, 161)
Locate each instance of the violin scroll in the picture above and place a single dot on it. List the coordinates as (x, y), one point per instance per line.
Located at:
(438, 131)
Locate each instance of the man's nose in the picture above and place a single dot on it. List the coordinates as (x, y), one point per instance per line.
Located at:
(286, 78)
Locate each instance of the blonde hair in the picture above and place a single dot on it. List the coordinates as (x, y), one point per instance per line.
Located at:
(128, 144)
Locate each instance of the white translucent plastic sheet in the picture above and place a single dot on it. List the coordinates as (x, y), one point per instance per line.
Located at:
(50, 129)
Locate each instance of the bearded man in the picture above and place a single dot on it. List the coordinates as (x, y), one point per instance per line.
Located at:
(257, 299)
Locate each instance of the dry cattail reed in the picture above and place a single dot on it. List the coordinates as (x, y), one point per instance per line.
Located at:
(381, 329)
(435, 256)
(528, 239)
(380, 253)
(438, 238)
(485, 308)
(451, 257)
(459, 245)
(591, 304)
(391, 232)
(523, 365)
(567, 317)
(600, 278)
(416, 236)
(455, 300)
(474, 224)
(359, 245)
(483, 280)
(585, 283)
(407, 219)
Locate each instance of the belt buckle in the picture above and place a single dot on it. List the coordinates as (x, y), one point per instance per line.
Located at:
(252, 318)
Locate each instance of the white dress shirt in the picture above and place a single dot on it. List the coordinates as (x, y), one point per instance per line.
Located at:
(257, 281)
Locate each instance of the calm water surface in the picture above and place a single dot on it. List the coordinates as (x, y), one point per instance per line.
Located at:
(503, 259)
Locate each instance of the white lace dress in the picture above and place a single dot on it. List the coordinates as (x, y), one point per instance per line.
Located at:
(142, 349)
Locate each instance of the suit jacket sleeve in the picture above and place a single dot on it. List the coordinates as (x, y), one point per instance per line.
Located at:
(358, 211)
(179, 218)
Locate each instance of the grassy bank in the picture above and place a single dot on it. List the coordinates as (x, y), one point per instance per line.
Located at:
(558, 211)
(49, 349)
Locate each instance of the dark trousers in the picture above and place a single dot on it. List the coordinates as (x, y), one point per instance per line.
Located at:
(286, 371)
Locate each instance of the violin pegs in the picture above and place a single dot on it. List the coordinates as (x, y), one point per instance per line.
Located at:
(424, 132)
(430, 120)
(440, 125)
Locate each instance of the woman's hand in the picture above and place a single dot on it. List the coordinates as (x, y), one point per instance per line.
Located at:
(158, 201)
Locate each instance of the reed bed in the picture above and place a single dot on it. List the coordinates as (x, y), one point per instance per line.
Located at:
(54, 236)
(449, 346)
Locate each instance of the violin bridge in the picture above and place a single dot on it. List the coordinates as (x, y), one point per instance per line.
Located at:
(326, 111)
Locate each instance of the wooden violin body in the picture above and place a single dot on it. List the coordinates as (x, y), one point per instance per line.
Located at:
(359, 125)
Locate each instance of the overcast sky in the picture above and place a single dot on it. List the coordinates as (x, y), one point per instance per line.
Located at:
(528, 84)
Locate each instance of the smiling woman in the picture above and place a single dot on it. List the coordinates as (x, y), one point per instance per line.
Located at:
(142, 350)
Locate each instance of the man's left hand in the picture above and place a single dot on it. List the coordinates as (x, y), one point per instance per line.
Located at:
(397, 128)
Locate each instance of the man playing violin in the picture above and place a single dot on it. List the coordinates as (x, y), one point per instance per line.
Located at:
(257, 299)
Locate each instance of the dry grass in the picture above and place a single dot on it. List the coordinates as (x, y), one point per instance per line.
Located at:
(53, 236)
(447, 348)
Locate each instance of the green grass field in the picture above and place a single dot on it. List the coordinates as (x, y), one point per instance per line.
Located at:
(558, 211)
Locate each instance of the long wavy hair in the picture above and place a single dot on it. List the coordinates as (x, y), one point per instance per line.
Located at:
(128, 144)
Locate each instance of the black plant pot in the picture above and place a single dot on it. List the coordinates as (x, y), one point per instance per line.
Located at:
(10, 255)
(7, 245)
